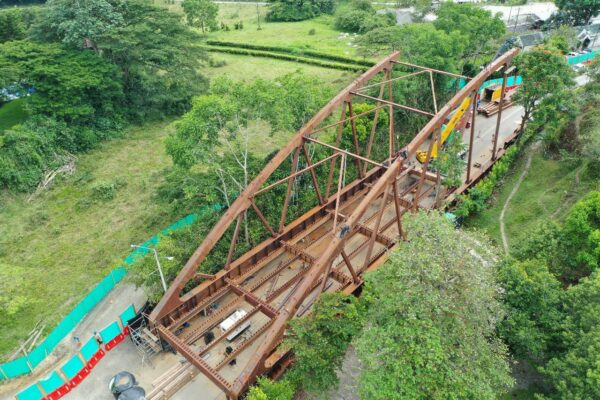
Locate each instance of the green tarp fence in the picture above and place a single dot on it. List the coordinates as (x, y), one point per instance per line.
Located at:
(52, 382)
(510, 81)
(90, 348)
(33, 392)
(582, 58)
(72, 367)
(110, 332)
(25, 364)
(127, 315)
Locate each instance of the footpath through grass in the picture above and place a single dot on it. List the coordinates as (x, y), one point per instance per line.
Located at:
(547, 192)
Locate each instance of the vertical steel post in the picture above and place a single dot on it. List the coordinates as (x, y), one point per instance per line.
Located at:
(472, 136)
(392, 139)
(499, 119)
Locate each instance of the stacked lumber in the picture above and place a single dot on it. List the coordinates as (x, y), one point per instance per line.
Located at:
(492, 107)
(166, 385)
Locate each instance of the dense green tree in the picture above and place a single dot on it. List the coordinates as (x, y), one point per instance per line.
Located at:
(575, 374)
(364, 126)
(555, 115)
(478, 26)
(160, 72)
(201, 14)
(319, 341)
(564, 38)
(545, 73)
(577, 12)
(298, 10)
(222, 115)
(158, 56)
(534, 310)
(450, 161)
(73, 86)
(442, 50)
(539, 243)
(79, 23)
(12, 26)
(359, 16)
(580, 245)
(430, 325)
(420, 7)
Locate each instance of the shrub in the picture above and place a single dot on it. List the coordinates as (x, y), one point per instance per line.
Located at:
(299, 10)
(279, 56)
(351, 21)
(312, 31)
(107, 190)
(294, 51)
(216, 63)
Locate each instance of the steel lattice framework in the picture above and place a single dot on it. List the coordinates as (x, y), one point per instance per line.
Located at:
(328, 248)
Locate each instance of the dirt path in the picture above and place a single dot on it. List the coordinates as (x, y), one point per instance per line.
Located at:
(514, 191)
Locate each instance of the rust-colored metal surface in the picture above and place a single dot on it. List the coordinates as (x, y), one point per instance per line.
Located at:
(348, 231)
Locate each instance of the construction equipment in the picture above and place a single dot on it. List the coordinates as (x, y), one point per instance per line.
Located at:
(447, 130)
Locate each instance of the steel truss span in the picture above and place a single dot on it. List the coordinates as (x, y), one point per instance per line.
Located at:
(349, 230)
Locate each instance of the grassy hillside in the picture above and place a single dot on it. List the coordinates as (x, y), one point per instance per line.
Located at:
(550, 188)
(64, 241)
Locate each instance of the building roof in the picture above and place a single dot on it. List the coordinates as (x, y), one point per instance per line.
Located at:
(531, 39)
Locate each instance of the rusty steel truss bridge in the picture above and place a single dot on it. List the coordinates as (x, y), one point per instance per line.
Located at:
(349, 231)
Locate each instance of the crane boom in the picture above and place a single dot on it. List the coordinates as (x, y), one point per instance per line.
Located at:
(460, 111)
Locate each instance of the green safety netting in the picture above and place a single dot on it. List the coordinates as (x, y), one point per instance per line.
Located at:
(33, 392)
(581, 58)
(72, 367)
(52, 382)
(127, 315)
(21, 366)
(15, 368)
(510, 81)
(110, 332)
(90, 348)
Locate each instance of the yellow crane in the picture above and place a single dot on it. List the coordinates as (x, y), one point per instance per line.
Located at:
(460, 111)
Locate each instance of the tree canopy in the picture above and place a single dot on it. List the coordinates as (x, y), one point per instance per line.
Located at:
(432, 313)
(298, 10)
(546, 76)
(442, 52)
(201, 14)
(477, 25)
(577, 12)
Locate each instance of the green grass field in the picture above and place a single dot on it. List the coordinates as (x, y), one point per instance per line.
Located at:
(288, 34)
(61, 243)
(548, 191)
(247, 68)
(12, 113)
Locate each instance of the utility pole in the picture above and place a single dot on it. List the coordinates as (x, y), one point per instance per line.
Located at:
(258, 17)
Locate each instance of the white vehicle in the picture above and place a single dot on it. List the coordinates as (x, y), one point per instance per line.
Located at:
(231, 321)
